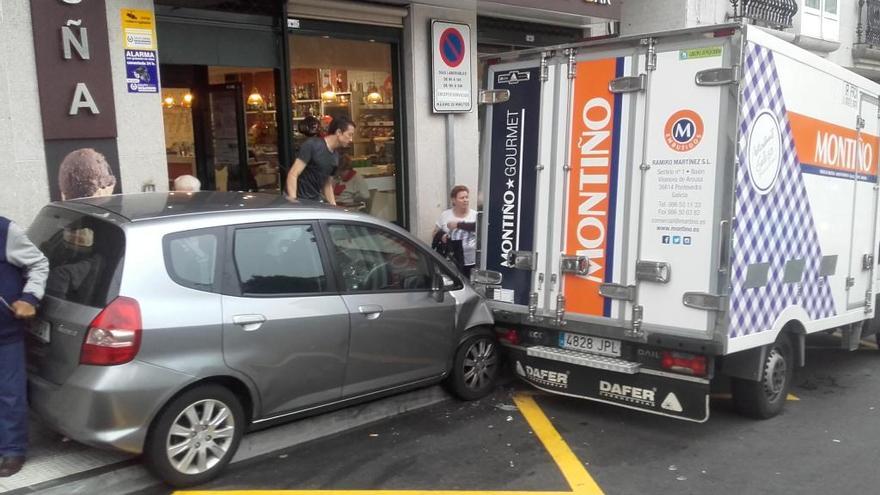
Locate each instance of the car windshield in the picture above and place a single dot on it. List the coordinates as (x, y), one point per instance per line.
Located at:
(84, 254)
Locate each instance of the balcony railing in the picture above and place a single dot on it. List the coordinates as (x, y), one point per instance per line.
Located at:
(777, 14)
(868, 28)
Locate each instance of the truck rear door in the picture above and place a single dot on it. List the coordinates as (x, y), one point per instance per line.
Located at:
(644, 188)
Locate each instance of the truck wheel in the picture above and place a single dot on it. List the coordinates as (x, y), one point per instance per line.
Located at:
(764, 399)
(195, 436)
(475, 367)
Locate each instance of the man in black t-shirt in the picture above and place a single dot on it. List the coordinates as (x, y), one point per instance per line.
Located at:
(310, 176)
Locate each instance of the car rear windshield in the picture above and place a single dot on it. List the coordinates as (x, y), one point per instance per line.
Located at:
(84, 252)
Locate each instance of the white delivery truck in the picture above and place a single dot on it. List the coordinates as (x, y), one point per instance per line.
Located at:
(674, 208)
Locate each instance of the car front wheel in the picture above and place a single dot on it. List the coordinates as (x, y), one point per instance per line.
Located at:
(475, 367)
(195, 436)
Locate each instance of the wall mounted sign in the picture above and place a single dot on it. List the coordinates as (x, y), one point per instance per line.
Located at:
(73, 69)
(451, 67)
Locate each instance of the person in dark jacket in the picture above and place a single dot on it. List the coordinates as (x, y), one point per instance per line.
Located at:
(23, 273)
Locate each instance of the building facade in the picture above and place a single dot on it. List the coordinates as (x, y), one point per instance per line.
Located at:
(228, 90)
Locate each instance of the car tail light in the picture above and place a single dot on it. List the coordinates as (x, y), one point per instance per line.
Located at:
(508, 335)
(114, 336)
(682, 362)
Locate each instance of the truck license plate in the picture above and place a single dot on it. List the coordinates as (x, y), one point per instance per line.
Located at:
(587, 343)
(41, 330)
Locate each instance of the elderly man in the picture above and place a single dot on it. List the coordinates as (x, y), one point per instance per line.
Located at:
(23, 273)
(187, 183)
(85, 173)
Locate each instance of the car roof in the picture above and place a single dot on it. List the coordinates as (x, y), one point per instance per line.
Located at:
(149, 206)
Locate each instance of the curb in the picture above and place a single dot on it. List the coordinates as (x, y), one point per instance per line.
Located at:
(129, 478)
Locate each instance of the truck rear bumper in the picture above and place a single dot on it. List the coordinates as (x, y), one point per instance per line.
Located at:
(649, 391)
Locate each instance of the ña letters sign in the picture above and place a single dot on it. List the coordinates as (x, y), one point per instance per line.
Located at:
(73, 69)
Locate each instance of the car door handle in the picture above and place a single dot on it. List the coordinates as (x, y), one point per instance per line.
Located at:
(370, 311)
(249, 323)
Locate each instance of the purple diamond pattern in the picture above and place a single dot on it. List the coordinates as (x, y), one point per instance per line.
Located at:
(775, 227)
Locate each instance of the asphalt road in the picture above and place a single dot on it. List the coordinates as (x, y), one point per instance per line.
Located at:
(826, 442)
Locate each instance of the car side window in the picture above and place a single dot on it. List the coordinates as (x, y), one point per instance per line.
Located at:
(191, 259)
(282, 259)
(372, 259)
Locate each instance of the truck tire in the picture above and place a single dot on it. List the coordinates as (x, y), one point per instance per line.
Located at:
(475, 368)
(195, 436)
(765, 399)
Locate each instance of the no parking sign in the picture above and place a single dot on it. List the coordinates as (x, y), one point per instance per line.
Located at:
(451, 62)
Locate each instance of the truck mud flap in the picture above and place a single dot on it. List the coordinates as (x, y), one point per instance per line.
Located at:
(675, 398)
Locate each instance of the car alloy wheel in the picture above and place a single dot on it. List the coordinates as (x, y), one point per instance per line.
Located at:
(200, 436)
(480, 364)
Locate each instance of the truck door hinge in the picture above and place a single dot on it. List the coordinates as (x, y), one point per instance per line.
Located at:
(521, 260)
(651, 56)
(572, 65)
(867, 261)
(860, 122)
(545, 70)
(578, 265)
(869, 301)
(637, 314)
(533, 305)
(560, 310)
(850, 282)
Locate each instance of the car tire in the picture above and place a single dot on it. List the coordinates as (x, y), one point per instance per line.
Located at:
(765, 399)
(475, 368)
(195, 436)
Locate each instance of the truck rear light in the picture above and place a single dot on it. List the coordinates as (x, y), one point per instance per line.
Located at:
(114, 336)
(508, 335)
(682, 362)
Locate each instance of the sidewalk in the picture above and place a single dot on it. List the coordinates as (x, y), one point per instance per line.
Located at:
(63, 467)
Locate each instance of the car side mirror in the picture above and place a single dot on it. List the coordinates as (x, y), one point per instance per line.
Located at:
(486, 277)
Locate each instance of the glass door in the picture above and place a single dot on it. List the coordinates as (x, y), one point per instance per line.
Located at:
(226, 145)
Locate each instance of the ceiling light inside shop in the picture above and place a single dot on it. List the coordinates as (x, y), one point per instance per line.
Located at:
(187, 100)
(168, 102)
(255, 99)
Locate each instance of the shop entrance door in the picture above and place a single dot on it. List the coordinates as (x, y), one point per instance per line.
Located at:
(225, 146)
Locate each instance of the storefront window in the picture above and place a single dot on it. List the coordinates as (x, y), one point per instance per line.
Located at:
(222, 127)
(180, 146)
(332, 77)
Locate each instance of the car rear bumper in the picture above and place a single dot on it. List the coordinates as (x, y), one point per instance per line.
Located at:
(106, 406)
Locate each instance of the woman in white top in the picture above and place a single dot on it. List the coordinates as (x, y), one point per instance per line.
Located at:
(459, 223)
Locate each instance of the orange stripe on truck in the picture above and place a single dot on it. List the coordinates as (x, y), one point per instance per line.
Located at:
(833, 147)
(589, 183)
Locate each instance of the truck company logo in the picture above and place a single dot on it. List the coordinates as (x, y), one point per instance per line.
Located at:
(832, 150)
(554, 379)
(513, 77)
(684, 130)
(592, 184)
(510, 214)
(627, 393)
(764, 152)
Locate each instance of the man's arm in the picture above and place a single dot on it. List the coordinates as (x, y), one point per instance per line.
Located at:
(21, 252)
(329, 195)
(293, 175)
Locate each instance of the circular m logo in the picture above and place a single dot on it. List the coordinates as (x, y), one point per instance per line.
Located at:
(684, 130)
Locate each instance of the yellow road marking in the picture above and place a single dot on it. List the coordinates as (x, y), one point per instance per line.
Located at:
(571, 467)
(791, 397)
(730, 396)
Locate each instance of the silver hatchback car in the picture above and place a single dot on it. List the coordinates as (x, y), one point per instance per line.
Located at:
(174, 322)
